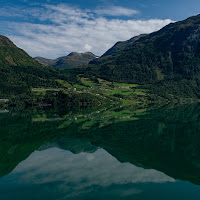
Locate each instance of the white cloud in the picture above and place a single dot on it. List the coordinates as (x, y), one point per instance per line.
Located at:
(87, 47)
(116, 11)
(54, 31)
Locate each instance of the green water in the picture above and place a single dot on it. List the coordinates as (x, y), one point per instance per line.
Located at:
(140, 153)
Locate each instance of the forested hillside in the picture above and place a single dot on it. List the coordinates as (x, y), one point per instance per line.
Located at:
(19, 72)
(166, 62)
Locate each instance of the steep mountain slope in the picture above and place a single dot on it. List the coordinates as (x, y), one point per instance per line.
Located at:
(119, 46)
(170, 54)
(4, 41)
(68, 62)
(19, 72)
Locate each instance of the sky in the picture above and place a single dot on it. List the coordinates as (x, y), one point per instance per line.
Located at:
(54, 28)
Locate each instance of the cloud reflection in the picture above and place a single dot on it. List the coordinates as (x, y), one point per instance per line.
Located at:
(79, 174)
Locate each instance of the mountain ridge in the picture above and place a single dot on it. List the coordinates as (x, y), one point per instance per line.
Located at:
(70, 61)
(121, 45)
(4, 41)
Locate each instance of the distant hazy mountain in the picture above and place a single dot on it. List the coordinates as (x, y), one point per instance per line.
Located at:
(68, 62)
(45, 61)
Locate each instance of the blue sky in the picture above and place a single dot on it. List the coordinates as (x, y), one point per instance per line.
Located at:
(53, 28)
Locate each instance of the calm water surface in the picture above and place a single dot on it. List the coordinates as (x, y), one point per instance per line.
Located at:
(108, 153)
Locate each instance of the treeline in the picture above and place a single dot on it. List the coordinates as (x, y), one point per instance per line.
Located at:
(175, 90)
(58, 100)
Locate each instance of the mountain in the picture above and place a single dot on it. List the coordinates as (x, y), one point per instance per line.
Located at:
(68, 62)
(119, 46)
(168, 61)
(74, 60)
(19, 72)
(4, 41)
(45, 61)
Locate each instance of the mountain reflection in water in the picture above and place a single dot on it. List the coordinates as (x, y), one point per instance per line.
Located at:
(75, 175)
(127, 153)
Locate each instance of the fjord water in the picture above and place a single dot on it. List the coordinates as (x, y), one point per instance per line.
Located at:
(109, 153)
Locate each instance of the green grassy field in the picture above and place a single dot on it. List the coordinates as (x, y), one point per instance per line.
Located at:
(64, 83)
(114, 92)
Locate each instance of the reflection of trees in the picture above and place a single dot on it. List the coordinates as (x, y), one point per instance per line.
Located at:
(166, 139)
